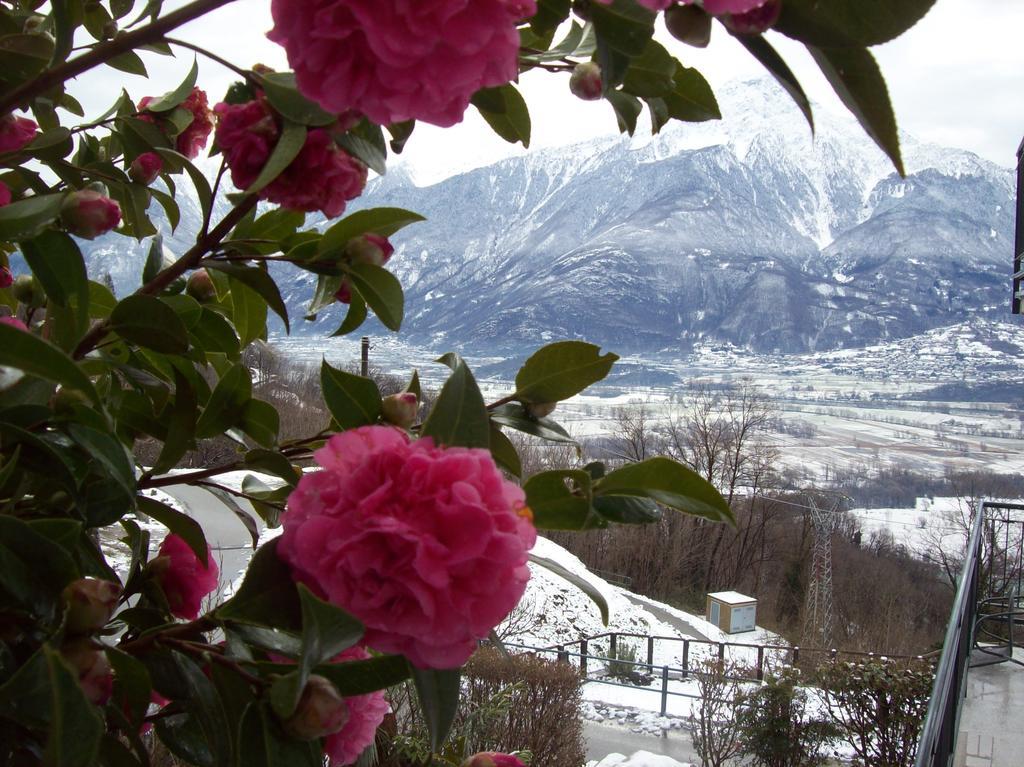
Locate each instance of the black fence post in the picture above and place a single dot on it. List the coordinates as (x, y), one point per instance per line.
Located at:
(563, 654)
(613, 645)
(760, 663)
(664, 690)
(686, 658)
(721, 651)
(583, 657)
(650, 651)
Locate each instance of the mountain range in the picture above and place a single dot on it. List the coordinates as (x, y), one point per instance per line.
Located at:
(747, 231)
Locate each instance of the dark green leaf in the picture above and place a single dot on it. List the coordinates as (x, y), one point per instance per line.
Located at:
(515, 416)
(267, 596)
(560, 500)
(262, 742)
(359, 677)
(226, 405)
(132, 685)
(35, 588)
(626, 509)
(670, 484)
(627, 110)
(57, 263)
(181, 425)
(354, 317)
(849, 23)
(382, 292)
(75, 726)
(353, 400)
(762, 50)
(177, 523)
(692, 99)
(506, 112)
(272, 462)
(31, 354)
(150, 323)
(174, 98)
(382, 221)
(106, 451)
(24, 219)
(857, 80)
(205, 705)
(459, 416)
(504, 452)
(261, 422)
(438, 693)
(650, 73)
(258, 280)
(400, 133)
(293, 138)
(128, 62)
(579, 582)
(366, 143)
(561, 370)
(282, 94)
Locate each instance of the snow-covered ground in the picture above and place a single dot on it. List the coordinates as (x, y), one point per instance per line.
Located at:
(639, 759)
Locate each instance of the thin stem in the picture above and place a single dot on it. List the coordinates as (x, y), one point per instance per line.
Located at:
(210, 55)
(188, 477)
(208, 213)
(502, 401)
(198, 626)
(188, 261)
(205, 652)
(239, 493)
(104, 52)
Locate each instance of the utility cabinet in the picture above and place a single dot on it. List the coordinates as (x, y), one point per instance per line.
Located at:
(732, 612)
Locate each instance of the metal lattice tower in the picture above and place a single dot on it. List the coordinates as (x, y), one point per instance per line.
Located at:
(818, 608)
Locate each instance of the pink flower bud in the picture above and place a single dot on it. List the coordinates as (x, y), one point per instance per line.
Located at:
(145, 168)
(200, 286)
(5, 194)
(344, 293)
(88, 214)
(321, 711)
(400, 409)
(184, 579)
(540, 409)
(14, 322)
(493, 759)
(689, 24)
(16, 133)
(585, 81)
(756, 21)
(91, 602)
(6, 278)
(369, 249)
(88, 660)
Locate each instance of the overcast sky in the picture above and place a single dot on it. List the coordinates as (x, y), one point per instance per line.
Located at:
(955, 79)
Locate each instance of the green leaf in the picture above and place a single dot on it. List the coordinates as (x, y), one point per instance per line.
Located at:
(670, 484)
(561, 370)
(150, 323)
(650, 74)
(400, 134)
(579, 582)
(359, 677)
(227, 402)
(174, 98)
(515, 416)
(623, 25)
(174, 162)
(31, 354)
(132, 685)
(281, 92)
(762, 50)
(382, 221)
(459, 416)
(128, 62)
(326, 631)
(205, 706)
(262, 742)
(249, 313)
(849, 23)
(106, 451)
(692, 99)
(382, 292)
(75, 727)
(504, 452)
(260, 421)
(37, 589)
(293, 138)
(550, 14)
(258, 280)
(506, 112)
(354, 317)
(366, 143)
(24, 219)
(627, 110)
(267, 596)
(177, 523)
(855, 77)
(271, 462)
(180, 417)
(57, 263)
(560, 500)
(353, 400)
(627, 510)
(438, 693)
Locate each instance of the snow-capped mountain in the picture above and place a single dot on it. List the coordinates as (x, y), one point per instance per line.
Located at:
(748, 231)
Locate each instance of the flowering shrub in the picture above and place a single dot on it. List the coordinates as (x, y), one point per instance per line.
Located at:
(408, 539)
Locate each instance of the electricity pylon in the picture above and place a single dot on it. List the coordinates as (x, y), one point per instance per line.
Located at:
(818, 607)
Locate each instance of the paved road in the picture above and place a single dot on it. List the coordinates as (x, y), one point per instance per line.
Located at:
(604, 739)
(666, 617)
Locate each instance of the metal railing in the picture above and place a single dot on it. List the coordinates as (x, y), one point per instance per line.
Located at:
(937, 744)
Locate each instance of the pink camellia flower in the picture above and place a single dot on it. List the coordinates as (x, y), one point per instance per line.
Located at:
(400, 409)
(322, 177)
(394, 60)
(5, 194)
(145, 168)
(754, 22)
(16, 132)
(365, 713)
(493, 759)
(14, 322)
(192, 140)
(426, 545)
(6, 278)
(88, 213)
(184, 579)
